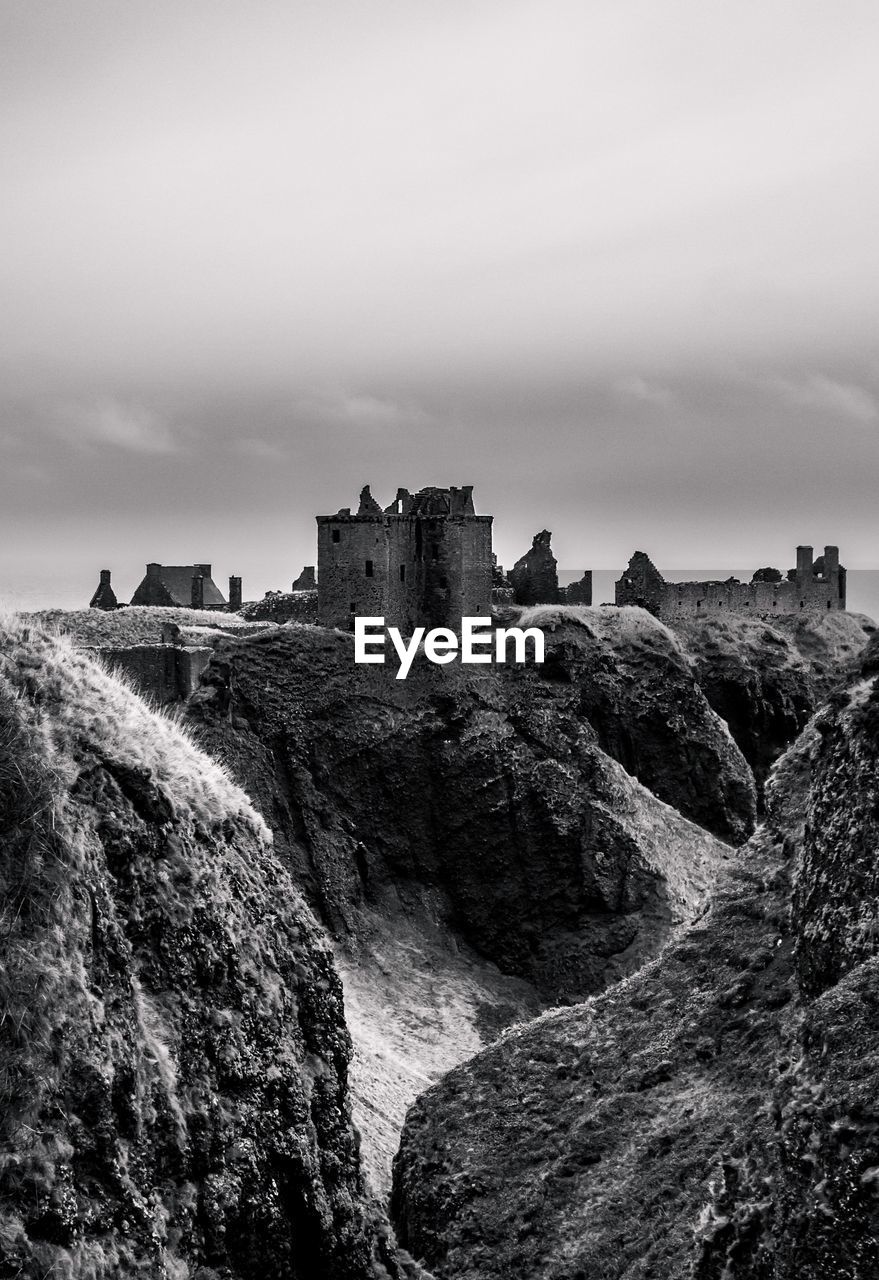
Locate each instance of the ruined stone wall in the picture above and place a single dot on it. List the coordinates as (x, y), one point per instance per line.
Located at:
(579, 592)
(502, 597)
(810, 588)
(165, 673)
(534, 576)
(283, 606)
(347, 548)
(642, 584)
(691, 599)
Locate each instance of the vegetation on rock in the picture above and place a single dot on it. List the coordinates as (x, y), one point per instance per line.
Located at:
(713, 1116)
(173, 1096)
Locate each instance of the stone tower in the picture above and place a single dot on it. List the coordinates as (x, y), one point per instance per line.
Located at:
(425, 560)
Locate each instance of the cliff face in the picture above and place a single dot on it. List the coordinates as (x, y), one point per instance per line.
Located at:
(638, 688)
(486, 799)
(173, 1092)
(715, 1115)
(766, 679)
(470, 835)
(837, 891)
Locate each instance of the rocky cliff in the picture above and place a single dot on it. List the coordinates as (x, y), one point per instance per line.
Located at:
(480, 841)
(173, 1084)
(765, 679)
(715, 1115)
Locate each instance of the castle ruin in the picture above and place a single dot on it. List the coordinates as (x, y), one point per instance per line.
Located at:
(425, 560)
(814, 586)
(188, 586)
(534, 577)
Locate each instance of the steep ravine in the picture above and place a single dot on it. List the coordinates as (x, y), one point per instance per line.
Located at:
(713, 1117)
(470, 837)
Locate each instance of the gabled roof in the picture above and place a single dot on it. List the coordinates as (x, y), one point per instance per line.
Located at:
(176, 579)
(104, 597)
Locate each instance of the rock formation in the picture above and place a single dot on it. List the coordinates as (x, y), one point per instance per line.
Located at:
(714, 1116)
(766, 680)
(481, 843)
(173, 1093)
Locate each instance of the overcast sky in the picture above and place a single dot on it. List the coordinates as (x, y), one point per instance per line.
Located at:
(613, 262)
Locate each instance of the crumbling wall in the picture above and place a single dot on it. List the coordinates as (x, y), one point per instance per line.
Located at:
(642, 584)
(579, 592)
(165, 673)
(283, 606)
(812, 588)
(424, 561)
(534, 577)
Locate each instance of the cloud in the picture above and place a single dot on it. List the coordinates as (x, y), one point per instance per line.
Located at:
(131, 427)
(256, 449)
(638, 388)
(367, 412)
(845, 399)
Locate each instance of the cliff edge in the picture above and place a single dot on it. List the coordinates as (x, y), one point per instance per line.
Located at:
(173, 1092)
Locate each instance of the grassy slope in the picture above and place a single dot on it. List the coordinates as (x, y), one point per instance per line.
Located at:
(140, 624)
(174, 1057)
(825, 648)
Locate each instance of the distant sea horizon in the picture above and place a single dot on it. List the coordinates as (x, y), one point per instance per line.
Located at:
(53, 592)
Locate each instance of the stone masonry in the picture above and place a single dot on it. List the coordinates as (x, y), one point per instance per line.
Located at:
(814, 586)
(425, 560)
(534, 577)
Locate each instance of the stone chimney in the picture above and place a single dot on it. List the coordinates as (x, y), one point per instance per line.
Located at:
(104, 597)
(198, 589)
(804, 564)
(234, 593)
(831, 563)
(153, 571)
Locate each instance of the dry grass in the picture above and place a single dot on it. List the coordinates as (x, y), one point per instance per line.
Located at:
(626, 622)
(140, 624)
(627, 629)
(82, 709)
